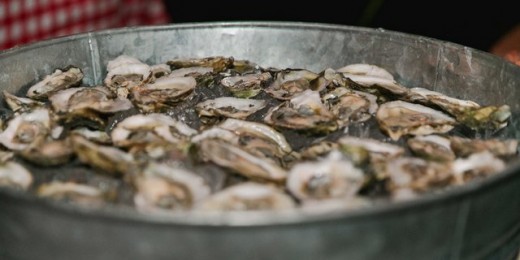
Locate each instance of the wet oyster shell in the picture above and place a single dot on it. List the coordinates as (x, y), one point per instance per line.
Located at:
(59, 80)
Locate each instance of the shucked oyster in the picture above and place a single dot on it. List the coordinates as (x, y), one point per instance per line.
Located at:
(398, 118)
(246, 197)
(73, 192)
(477, 165)
(332, 177)
(21, 104)
(161, 186)
(218, 63)
(60, 79)
(13, 174)
(290, 82)
(370, 76)
(432, 147)
(152, 128)
(304, 111)
(350, 106)
(245, 86)
(163, 93)
(25, 128)
(464, 147)
(238, 108)
(125, 72)
(465, 111)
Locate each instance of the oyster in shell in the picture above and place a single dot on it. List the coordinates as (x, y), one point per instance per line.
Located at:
(248, 196)
(432, 147)
(161, 186)
(25, 128)
(125, 72)
(367, 76)
(398, 118)
(231, 107)
(246, 86)
(165, 92)
(464, 147)
(59, 80)
(304, 111)
(350, 106)
(72, 192)
(13, 174)
(476, 166)
(331, 177)
(218, 63)
(289, 82)
(21, 104)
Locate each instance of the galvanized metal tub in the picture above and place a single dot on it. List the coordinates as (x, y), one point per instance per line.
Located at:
(477, 221)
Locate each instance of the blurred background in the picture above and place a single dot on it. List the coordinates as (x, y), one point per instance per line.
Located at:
(486, 26)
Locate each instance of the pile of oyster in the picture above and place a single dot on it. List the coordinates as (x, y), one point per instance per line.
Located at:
(219, 134)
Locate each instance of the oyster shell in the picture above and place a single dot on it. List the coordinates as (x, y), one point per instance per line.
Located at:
(248, 196)
(48, 152)
(432, 147)
(72, 192)
(25, 128)
(59, 80)
(476, 166)
(467, 112)
(14, 175)
(230, 156)
(238, 108)
(332, 177)
(304, 111)
(106, 158)
(162, 186)
(350, 106)
(361, 150)
(290, 82)
(398, 118)
(165, 92)
(125, 72)
(464, 147)
(410, 176)
(372, 76)
(218, 63)
(245, 86)
(21, 104)
(151, 128)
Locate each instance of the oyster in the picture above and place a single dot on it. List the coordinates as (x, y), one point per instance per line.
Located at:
(477, 165)
(247, 197)
(410, 176)
(432, 147)
(332, 177)
(21, 104)
(361, 150)
(59, 80)
(162, 186)
(368, 76)
(96, 136)
(289, 83)
(46, 151)
(218, 63)
(125, 72)
(229, 107)
(464, 147)
(244, 128)
(398, 118)
(72, 192)
(304, 111)
(230, 156)
(25, 128)
(106, 158)
(350, 106)
(245, 86)
(160, 70)
(165, 92)
(13, 174)
(191, 71)
(328, 78)
(467, 112)
(318, 150)
(151, 128)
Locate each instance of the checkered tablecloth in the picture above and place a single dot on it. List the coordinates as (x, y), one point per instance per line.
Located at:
(25, 21)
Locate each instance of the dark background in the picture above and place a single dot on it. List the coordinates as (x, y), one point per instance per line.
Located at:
(472, 24)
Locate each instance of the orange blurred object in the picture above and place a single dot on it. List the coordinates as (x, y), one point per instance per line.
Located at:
(508, 46)
(25, 21)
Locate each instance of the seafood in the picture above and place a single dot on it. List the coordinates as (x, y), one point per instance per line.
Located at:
(217, 134)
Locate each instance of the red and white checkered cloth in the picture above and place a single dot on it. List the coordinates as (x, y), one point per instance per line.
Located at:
(25, 21)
